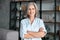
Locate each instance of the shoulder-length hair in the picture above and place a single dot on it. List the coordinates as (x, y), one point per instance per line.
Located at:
(35, 5)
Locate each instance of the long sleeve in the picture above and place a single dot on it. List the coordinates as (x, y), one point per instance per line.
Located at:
(22, 29)
(42, 26)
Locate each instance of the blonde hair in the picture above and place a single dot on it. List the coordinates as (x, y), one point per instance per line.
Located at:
(35, 5)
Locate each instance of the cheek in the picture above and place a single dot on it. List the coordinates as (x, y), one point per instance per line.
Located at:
(34, 11)
(28, 11)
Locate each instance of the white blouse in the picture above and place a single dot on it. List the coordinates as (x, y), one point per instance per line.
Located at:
(34, 27)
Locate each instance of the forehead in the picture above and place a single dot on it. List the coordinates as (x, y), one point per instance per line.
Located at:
(31, 6)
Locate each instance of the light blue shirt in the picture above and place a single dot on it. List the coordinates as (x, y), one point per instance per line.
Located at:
(35, 26)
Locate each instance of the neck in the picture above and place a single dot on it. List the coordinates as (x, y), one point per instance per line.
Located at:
(31, 19)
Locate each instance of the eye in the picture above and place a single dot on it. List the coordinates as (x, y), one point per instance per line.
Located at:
(33, 8)
(29, 9)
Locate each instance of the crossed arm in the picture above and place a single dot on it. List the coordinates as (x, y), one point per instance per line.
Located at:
(38, 34)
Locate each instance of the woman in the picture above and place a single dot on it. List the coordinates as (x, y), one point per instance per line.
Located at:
(32, 28)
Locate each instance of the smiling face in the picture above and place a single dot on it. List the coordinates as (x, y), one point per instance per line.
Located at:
(31, 10)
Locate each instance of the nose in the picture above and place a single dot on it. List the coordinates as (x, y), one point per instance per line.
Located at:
(31, 11)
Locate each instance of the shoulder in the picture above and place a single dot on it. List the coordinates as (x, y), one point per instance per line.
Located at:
(39, 19)
(24, 20)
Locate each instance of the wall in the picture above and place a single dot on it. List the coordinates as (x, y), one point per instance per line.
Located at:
(4, 14)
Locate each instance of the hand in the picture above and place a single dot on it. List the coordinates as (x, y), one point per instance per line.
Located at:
(28, 31)
(41, 29)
